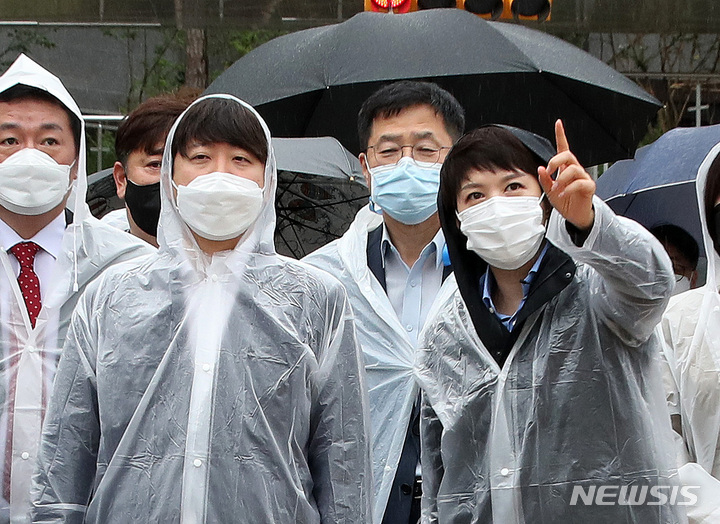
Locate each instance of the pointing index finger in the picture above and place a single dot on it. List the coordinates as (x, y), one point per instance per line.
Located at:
(560, 138)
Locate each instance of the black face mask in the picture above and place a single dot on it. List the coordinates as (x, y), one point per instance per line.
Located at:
(144, 205)
(716, 217)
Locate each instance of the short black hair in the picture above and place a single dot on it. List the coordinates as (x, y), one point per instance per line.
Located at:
(712, 192)
(393, 98)
(147, 125)
(215, 120)
(681, 239)
(20, 92)
(491, 148)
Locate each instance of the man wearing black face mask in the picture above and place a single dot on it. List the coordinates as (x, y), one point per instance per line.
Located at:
(139, 148)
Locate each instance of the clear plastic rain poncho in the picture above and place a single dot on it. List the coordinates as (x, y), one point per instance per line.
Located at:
(208, 389)
(691, 329)
(578, 403)
(388, 350)
(30, 355)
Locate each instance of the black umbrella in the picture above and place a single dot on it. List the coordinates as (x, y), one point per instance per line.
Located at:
(312, 82)
(658, 186)
(320, 189)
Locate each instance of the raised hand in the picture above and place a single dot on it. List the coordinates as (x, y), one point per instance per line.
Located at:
(572, 190)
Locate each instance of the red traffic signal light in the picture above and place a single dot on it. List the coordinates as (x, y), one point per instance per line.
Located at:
(389, 6)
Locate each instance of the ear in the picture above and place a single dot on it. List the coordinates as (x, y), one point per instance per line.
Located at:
(366, 172)
(120, 179)
(74, 171)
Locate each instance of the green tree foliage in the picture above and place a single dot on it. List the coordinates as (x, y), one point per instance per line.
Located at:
(22, 40)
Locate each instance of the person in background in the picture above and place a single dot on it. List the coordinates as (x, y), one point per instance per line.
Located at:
(139, 144)
(391, 262)
(52, 248)
(215, 381)
(540, 371)
(691, 331)
(684, 254)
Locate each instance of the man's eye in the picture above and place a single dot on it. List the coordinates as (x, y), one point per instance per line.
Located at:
(50, 142)
(389, 151)
(10, 141)
(154, 165)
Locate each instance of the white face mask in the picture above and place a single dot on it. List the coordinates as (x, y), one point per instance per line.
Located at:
(506, 232)
(681, 285)
(32, 183)
(219, 206)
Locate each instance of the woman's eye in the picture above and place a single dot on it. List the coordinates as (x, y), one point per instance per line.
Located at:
(514, 186)
(475, 195)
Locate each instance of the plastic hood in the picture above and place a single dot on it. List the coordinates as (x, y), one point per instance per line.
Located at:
(27, 72)
(175, 236)
(712, 257)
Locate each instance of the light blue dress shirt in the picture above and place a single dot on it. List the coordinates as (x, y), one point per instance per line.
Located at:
(488, 285)
(412, 290)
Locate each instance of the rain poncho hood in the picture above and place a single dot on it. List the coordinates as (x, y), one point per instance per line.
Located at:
(577, 403)
(691, 329)
(228, 388)
(388, 350)
(30, 354)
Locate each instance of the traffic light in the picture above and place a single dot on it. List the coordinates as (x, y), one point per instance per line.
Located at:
(490, 9)
(506, 9)
(530, 8)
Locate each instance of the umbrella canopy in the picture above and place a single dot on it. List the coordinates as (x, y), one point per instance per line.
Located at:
(323, 156)
(658, 186)
(313, 82)
(320, 189)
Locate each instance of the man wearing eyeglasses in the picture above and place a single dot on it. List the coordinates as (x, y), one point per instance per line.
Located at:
(391, 262)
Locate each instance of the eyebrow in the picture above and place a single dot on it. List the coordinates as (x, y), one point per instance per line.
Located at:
(415, 136)
(49, 126)
(158, 151)
(505, 178)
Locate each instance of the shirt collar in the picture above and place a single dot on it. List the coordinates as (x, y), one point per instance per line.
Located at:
(489, 282)
(437, 244)
(48, 238)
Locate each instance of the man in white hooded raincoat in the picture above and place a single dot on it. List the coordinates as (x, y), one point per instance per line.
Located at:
(542, 391)
(691, 330)
(391, 263)
(216, 381)
(42, 159)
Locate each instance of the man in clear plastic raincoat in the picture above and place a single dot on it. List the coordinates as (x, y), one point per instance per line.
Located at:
(691, 330)
(216, 381)
(391, 263)
(542, 391)
(52, 248)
